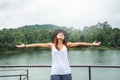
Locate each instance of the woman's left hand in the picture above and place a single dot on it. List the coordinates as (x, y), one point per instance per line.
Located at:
(95, 43)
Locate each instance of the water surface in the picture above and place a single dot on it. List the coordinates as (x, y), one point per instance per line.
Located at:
(79, 57)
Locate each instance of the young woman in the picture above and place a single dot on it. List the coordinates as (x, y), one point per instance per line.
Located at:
(60, 65)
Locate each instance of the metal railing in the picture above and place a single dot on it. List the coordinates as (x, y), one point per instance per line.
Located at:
(21, 74)
(44, 66)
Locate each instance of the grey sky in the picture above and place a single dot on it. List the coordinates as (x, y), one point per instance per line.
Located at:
(70, 13)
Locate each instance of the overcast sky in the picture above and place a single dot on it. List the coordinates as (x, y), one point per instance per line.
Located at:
(70, 13)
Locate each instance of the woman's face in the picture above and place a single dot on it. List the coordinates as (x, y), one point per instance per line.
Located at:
(60, 35)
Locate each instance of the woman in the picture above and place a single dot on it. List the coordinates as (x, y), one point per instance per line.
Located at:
(60, 65)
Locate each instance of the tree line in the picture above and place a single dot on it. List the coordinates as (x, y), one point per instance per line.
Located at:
(28, 34)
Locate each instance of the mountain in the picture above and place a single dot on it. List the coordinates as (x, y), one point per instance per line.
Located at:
(37, 26)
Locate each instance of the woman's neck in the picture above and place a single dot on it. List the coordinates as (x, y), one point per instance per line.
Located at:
(60, 42)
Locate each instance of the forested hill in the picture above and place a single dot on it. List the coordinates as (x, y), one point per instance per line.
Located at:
(110, 37)
(37, 26)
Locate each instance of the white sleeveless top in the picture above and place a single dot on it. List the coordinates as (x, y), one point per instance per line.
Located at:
(60, 64)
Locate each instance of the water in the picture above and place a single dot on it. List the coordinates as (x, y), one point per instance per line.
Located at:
(79, 57)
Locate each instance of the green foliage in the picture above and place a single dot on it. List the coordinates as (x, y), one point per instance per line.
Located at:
(42, 34)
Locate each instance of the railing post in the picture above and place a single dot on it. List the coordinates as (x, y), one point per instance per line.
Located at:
(27, 75)
(20, 77)
(89, 68)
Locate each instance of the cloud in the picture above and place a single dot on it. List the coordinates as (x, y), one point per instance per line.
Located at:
(75, 13)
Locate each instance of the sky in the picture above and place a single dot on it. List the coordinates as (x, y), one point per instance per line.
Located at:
(69, 13)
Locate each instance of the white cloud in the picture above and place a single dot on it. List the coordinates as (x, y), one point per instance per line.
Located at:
(75, 13)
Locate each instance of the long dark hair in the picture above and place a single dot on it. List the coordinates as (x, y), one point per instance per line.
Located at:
(55, 40)
(56, 43)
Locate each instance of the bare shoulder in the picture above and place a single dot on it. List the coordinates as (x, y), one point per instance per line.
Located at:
(50, 44)
(69, 44)
(72, 44)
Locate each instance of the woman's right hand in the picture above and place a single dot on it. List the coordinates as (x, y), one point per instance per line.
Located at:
(20, 46)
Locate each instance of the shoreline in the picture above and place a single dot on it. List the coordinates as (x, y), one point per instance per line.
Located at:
(96, 48)
(71, 49)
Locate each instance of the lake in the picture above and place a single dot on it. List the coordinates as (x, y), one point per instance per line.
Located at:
(78, 57)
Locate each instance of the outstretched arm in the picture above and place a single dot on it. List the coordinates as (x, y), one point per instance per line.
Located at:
(70, 44)
(41, 45)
